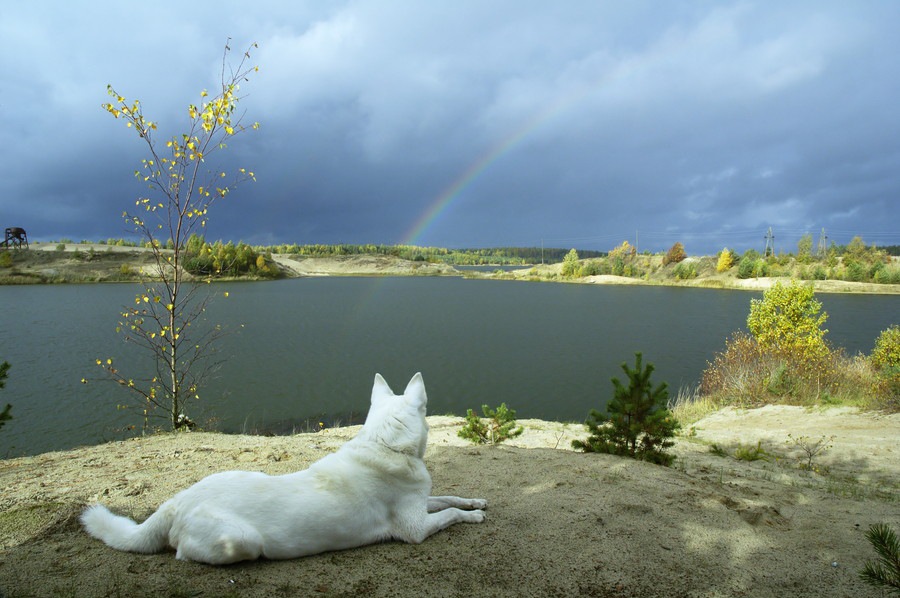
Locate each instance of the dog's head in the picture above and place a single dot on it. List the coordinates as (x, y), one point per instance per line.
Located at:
(398, 421)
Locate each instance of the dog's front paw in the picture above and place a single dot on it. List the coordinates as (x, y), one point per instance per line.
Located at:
(477, 516)
(478, 503)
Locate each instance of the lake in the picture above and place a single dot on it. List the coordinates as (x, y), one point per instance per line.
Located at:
(306, 350)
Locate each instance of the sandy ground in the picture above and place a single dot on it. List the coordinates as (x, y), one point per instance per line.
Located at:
(559, 523)
(368, 265)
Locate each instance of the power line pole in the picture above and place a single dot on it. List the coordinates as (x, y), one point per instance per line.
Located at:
(770, 244)
(822, 248)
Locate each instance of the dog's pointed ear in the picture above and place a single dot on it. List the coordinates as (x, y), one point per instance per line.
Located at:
(381, 387)
(416, 387)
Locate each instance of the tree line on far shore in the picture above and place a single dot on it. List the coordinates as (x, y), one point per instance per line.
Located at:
(854, 262)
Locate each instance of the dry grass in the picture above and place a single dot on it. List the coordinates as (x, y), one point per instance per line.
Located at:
(746, 375)
(689, 406)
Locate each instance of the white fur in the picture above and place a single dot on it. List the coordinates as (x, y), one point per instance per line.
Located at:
(374, 488)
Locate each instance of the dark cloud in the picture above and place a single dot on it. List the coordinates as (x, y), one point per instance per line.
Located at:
(576, 124)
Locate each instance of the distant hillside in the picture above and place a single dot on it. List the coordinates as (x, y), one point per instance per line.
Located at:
(856, 264)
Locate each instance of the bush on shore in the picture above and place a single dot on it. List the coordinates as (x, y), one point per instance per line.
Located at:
(786, 360)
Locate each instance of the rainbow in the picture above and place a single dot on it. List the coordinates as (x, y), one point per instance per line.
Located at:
(439, 206)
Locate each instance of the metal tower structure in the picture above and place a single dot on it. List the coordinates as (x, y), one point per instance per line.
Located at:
(822, 248)
(770, 244)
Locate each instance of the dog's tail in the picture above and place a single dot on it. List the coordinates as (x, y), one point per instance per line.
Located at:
(123, 533)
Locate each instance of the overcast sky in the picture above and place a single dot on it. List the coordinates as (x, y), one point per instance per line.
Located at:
(472, 123)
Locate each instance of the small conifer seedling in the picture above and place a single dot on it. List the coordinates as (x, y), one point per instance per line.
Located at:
(499, 425)
(638, 425)
(885, 572)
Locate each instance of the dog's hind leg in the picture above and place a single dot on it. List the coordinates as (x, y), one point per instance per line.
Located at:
(439, 503)
(219, 541)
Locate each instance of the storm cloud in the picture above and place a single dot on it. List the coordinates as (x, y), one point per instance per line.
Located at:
(473, 124)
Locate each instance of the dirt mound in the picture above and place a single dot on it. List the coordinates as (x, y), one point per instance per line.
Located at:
(559, 523)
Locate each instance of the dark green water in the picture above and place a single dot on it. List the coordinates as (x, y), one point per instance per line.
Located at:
(307, 349)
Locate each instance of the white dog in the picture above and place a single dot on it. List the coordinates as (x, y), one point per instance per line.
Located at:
(375, 488)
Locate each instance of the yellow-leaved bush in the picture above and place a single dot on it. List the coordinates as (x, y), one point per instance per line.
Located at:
(787, 321)
(885, 359)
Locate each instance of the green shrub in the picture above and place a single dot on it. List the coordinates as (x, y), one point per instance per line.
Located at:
(200, 265)
(6, 260)
(887, 275)
(500, 425)
(751, 265)
(855, 272)
(589, 268)
(819, 272)
(570, 263)
(685, 271)
(632, 270)
(717, 450)
(746, 267)
(638, 425)
(751, 453)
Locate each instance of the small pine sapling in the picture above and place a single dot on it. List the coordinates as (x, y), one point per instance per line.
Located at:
(886, 570)
(751, 453)
(638, 425)
(499, 425)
